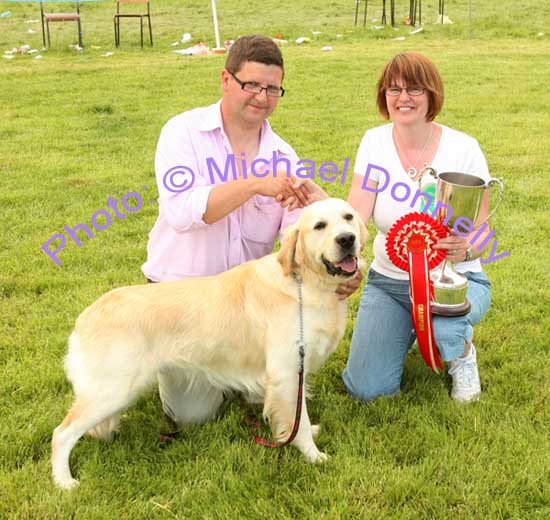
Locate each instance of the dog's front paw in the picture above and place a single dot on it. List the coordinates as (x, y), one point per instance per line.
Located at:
(67, 484)
(315, 456)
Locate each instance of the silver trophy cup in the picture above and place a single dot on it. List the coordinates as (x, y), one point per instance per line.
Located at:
(457, 195)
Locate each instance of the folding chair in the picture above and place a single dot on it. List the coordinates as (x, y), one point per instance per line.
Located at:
(357, 2)
(141, 16)
(414, 6)
(60, 17)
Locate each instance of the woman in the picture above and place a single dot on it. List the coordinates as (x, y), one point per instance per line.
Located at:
(410, 95)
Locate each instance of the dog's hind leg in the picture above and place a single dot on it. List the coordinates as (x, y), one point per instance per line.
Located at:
(83, 416)
(187, 396)
(105, 382)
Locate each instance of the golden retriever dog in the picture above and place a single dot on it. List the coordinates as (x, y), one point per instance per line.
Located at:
(202, 336)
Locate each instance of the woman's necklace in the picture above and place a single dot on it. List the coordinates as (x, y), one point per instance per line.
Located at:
(412, 172)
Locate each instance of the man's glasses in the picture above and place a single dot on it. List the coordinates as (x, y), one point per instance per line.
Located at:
(411, 91)
(256, 88)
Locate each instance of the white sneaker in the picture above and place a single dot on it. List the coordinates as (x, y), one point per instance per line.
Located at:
(463, 370)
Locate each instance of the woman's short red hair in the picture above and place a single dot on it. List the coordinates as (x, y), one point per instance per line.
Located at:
(413, 69)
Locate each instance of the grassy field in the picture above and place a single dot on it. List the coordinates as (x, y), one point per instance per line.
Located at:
(78, 127)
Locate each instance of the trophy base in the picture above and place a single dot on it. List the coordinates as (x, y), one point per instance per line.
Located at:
(451, 310)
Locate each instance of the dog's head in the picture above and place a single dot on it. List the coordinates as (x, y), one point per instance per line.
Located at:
(326, 240)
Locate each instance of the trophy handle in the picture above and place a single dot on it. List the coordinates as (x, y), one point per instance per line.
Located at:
(430, 170)
(490, 185)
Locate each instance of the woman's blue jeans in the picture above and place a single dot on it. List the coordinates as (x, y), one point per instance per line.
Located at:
(384, 333)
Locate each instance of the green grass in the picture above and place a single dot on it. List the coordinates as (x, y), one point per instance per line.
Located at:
(76, 128)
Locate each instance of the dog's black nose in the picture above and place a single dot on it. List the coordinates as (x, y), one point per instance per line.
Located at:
(346, 240)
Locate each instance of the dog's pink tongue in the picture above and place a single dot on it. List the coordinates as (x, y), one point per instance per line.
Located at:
(348, 264)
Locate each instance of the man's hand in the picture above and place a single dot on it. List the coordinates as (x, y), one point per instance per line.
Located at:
(311, 191)
(348, 288)
(282, 189)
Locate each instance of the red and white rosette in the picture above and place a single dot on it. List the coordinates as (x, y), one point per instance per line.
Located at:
(410, 246)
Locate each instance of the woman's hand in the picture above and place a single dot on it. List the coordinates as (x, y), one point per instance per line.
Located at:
(455, 247)
(346, 289)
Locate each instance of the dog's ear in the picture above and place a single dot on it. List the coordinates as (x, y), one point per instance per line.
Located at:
(287, 253)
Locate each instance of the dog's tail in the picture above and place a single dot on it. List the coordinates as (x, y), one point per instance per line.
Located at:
(92, 380)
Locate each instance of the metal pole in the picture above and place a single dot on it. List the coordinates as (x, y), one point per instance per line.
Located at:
(470, 19)
(216, 29)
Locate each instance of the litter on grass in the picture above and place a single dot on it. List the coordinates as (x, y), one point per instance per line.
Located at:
(196, 50)
(18, 50)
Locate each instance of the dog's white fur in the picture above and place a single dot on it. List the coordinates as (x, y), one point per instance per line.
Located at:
(235, 330)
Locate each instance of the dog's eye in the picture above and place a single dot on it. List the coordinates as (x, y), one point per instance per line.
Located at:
(320, 225)
(348, 216)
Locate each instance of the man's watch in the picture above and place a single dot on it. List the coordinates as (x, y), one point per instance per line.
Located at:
(469, 254)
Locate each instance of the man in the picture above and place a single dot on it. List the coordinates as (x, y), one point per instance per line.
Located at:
(218, 224)
(214, 213)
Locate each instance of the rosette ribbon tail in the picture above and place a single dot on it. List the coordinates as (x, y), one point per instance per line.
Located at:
(421, 309)
(410, 246)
